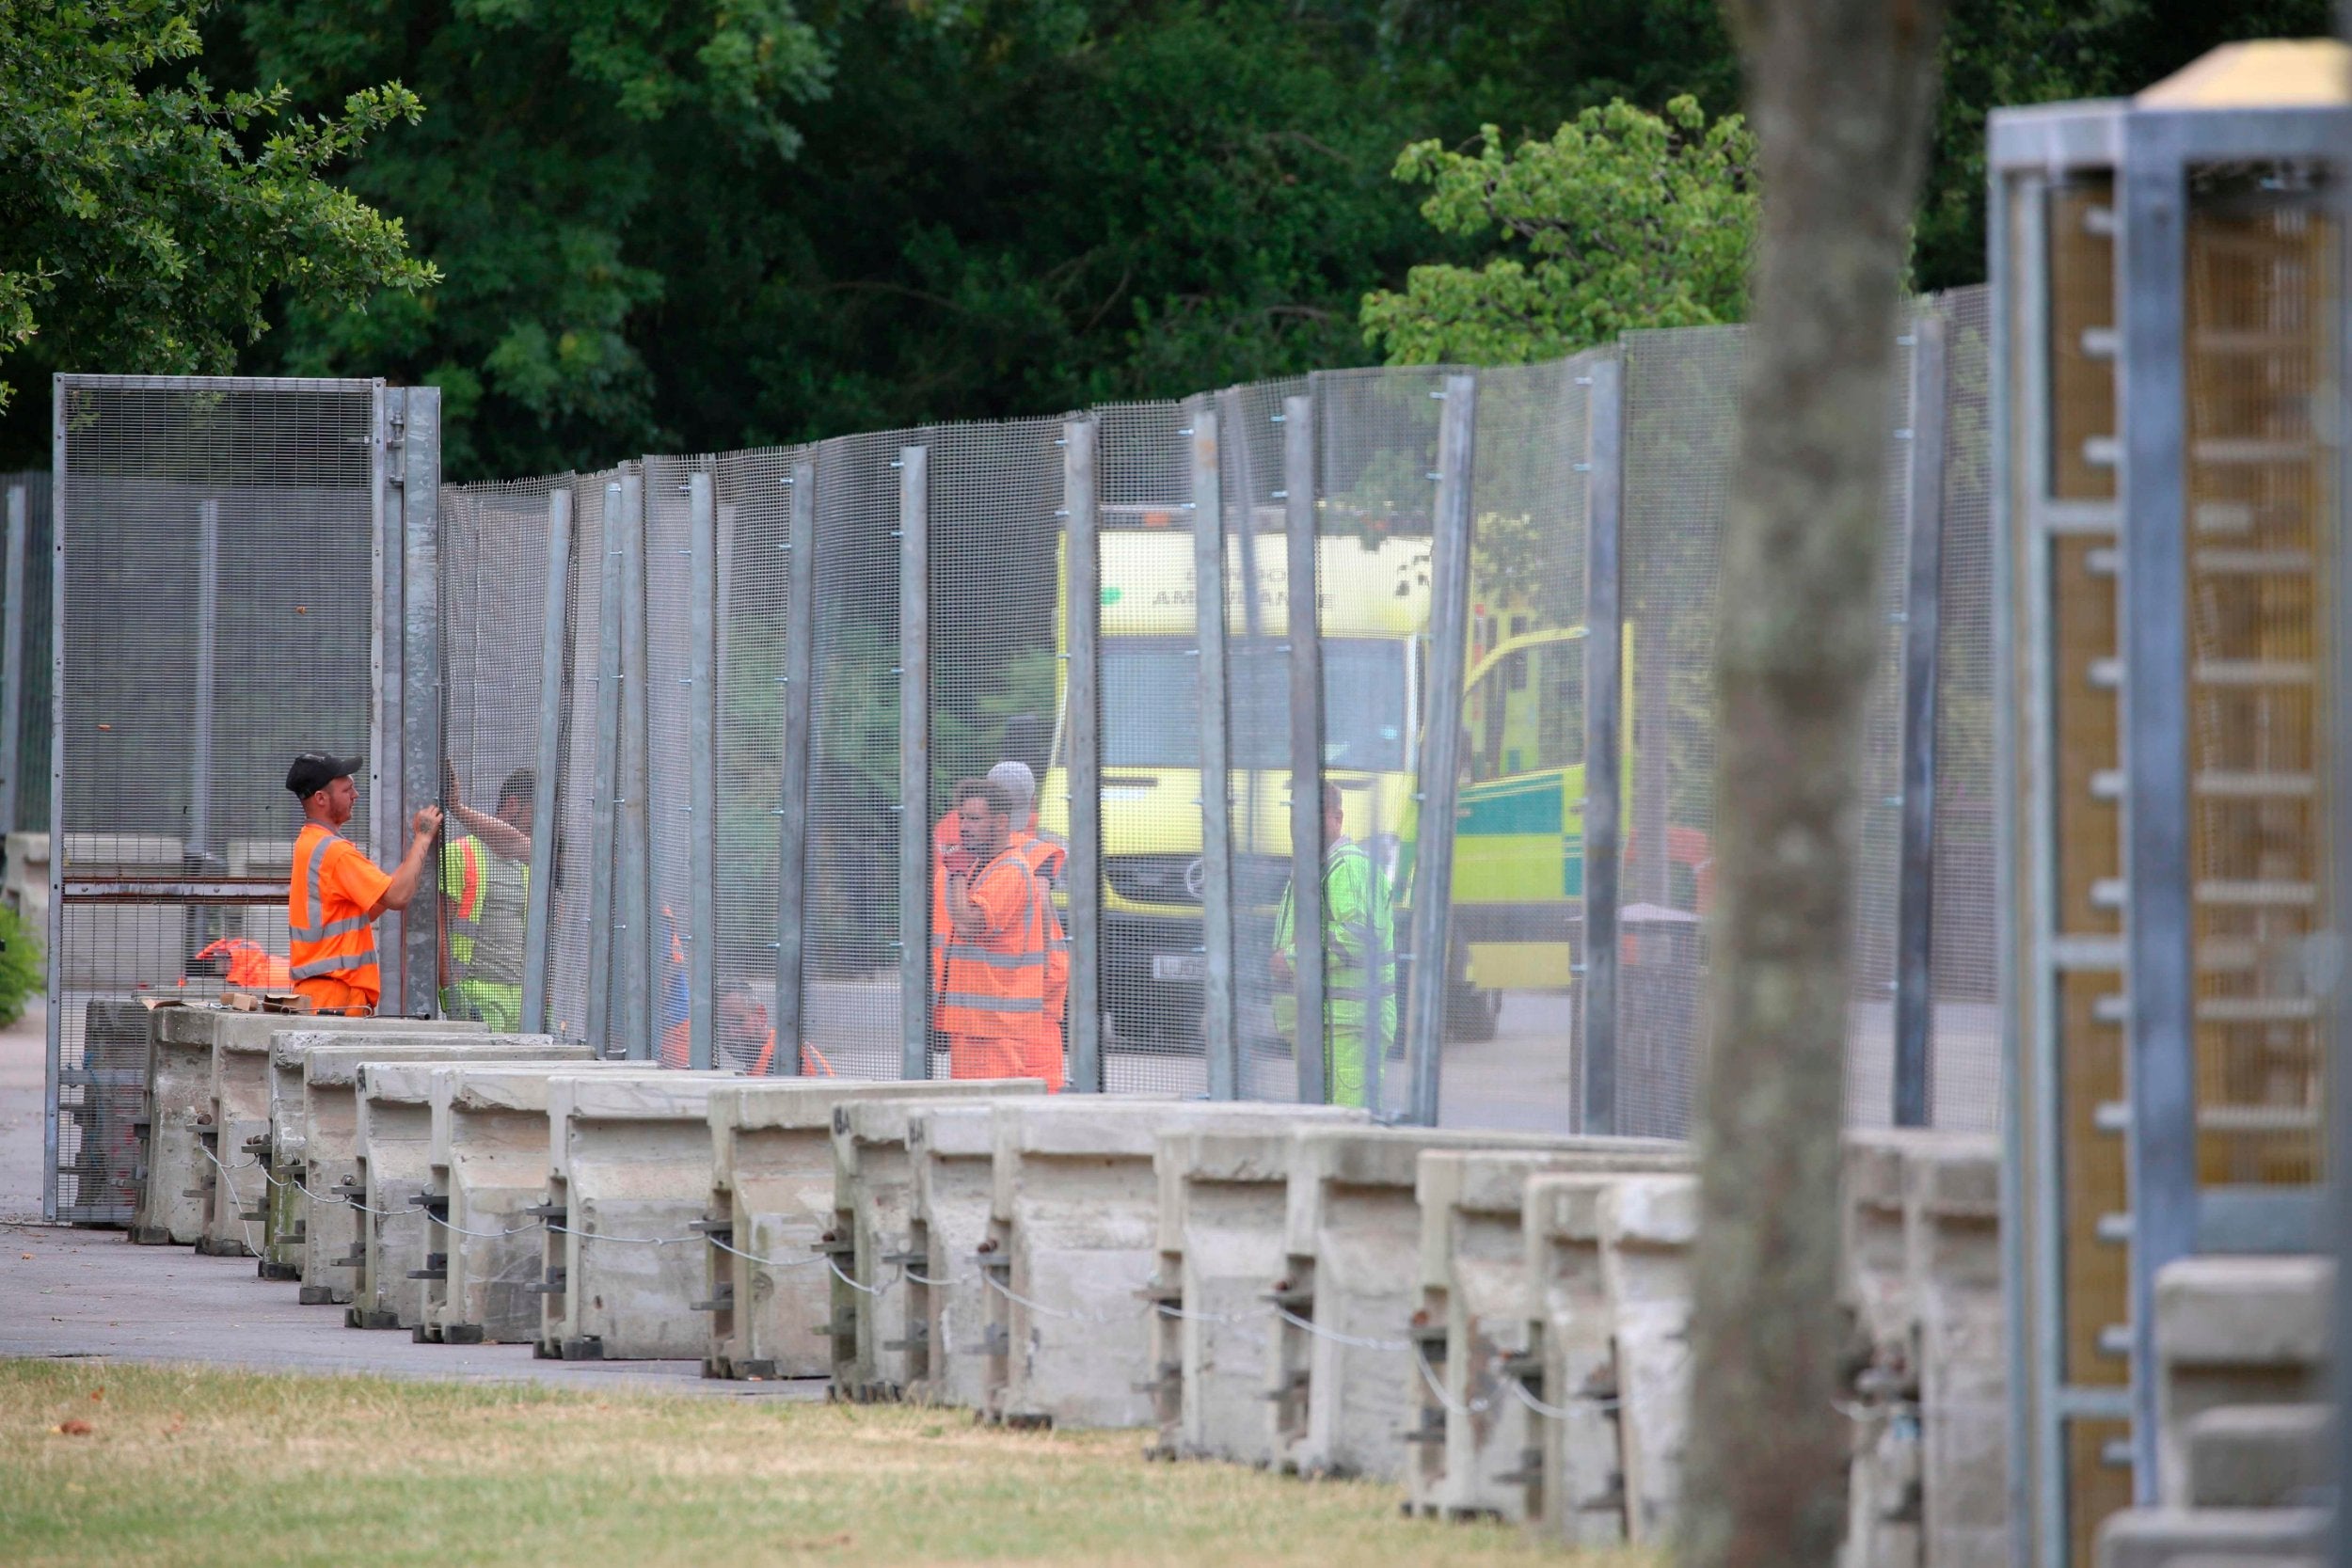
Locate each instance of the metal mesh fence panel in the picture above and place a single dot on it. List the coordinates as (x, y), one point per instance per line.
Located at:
(1681, 419)
(570, 910)
(671, 628)
(1519, 846)
(1877, 844)
(1377, 431)
(219, 608)
(850, 969)
(494, 583)
(29, 747)
(1152, 960)
(1965, 1039)
(753, 497)
(1253, 489)
(995, 553)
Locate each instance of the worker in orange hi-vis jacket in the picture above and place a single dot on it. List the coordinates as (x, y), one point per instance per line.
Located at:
(1046, 854)
(992, 996)
(337, 892)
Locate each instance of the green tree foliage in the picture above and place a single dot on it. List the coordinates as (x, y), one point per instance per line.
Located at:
(1628, 219)
(148, 220)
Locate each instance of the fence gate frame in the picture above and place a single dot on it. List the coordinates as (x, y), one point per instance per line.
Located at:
(404, 730)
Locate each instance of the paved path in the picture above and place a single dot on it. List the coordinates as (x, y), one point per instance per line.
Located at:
(74, 1292)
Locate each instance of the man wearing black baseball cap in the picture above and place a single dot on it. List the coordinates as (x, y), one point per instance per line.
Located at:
(337, 891)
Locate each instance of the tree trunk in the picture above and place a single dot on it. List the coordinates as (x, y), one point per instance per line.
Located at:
(1840, 94)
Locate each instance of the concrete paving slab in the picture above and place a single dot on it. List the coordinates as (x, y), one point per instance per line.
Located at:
(1469, 1326)
(329, 1226)
(628, 1186)
(90, 1295)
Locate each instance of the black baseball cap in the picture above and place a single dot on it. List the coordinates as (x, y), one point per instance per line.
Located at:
(314, 771)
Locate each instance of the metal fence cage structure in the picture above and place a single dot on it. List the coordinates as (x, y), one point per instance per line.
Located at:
(744, 687)
(2167, 290)
(219, 604)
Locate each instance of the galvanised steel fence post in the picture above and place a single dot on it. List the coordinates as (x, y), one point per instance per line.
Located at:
(1306, 744)
(915, 763)
(1914, 914)
(701, 769)
(1441, 746)
(603, 995)
(554, 628)
(1083, 881)
(1604, 746)
(633, 923)
(1217, 1034)
(421, 705)
(800, 657)
(12, 663)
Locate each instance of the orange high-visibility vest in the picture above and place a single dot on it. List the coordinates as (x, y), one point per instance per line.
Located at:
(332, 939)
(995, 983)
(1046, 858)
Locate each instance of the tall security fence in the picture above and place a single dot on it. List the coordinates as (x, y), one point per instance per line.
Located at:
(242, 570)
(779, 668)
(705, 725)
(24, 611)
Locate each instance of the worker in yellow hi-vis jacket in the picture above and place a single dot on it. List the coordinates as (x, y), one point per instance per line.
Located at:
(1358, 959)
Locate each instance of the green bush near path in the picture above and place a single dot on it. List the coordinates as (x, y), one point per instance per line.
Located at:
(21, 974)
(133, 1464)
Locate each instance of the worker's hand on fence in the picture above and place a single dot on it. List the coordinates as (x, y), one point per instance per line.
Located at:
(1281, 964)
(426, 822)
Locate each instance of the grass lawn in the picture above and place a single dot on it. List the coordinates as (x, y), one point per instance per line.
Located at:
(193, 1467)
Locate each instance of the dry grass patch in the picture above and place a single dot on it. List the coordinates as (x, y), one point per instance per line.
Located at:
(198, 1467)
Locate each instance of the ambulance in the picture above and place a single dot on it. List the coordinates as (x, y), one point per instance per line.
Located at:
(1518, 876)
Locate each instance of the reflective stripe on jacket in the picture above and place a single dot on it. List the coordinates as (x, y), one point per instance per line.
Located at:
(993, 984)
(329, 936)
(486, 907)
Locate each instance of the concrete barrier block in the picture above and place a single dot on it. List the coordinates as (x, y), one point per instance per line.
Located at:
(1469, 1363)
(183, 1137)
(1577, 1498)
(873, 1187)
(2166, 1536)
(238, 1097)
(489, 1167)
(1343, 1375)
(1222, 1199)
(629, 1182)
(2261, 1456)
(951, 1153)
(1876, 1289)
(1952, 1220)
(1073, 1245)
(393, 1167)
(777, 1303)
(101, 1110)
(2236, 1331)
(329, 1173)
(1648, 1224)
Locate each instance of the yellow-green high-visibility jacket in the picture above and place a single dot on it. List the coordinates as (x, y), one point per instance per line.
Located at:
(488, 904)
(1358, 967)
